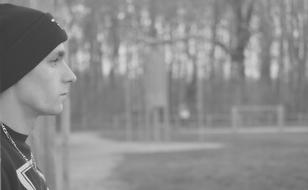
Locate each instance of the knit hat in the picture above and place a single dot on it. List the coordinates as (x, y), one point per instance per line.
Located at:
(27, 36)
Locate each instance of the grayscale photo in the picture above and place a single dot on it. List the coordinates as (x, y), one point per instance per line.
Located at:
(154, 94)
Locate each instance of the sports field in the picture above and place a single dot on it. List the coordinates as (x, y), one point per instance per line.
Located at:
(243, 161)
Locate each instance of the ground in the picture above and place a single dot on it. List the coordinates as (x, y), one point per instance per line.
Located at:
(224, 161)
(93, 158)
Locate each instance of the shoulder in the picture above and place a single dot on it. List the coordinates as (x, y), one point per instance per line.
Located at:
(7, 153)
(8, 177)
(8, 164)
(5, 180)
(9, 180)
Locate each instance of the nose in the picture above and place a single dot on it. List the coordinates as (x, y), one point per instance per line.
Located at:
(70, 76)
(73, 76)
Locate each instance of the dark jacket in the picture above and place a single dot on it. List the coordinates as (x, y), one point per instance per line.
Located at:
(16, 173)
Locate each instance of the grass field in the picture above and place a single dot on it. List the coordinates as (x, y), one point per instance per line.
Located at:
(263, 161)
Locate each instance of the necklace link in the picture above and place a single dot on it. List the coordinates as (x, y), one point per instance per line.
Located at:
(15, 146)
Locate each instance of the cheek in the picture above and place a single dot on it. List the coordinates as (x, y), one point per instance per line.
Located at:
(39, 89)
(46, 89)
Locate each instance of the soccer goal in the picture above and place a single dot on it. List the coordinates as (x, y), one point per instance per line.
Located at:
(249, 116)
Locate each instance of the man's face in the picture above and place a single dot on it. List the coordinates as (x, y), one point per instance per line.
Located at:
(44, 89)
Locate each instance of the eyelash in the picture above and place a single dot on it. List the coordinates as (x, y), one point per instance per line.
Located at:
(54, 62)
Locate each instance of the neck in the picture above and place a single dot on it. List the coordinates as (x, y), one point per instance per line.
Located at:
(13, 114)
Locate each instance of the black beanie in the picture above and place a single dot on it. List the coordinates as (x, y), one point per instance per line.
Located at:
(27, 36)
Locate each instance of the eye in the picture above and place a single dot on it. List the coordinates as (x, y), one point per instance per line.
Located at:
(56, 58)
(54, 62)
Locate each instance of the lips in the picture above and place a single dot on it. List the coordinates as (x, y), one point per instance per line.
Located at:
(64, 94)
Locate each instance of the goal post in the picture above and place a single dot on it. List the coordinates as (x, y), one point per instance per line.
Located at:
(248, 116)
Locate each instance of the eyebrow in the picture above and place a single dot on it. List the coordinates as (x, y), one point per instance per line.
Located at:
(58, 55)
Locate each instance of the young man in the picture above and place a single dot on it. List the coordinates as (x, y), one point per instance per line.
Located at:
(34, 81)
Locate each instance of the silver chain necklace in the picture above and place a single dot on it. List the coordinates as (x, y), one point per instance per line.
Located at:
(14, 144)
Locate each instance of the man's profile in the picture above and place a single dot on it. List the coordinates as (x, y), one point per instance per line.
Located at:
(35, 80)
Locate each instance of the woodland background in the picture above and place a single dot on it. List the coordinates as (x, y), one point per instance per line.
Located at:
(216, 53)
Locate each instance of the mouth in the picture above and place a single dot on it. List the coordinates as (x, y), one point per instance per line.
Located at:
(64, 94)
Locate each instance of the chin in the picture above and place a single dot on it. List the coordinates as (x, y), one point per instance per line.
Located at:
(58, 110)
(54, 111)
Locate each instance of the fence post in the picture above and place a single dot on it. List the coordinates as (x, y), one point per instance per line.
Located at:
(234, 118)
(281, 117)
(43, 145)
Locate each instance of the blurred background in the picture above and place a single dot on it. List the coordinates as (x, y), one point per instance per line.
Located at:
(156, 73)
(185, 60)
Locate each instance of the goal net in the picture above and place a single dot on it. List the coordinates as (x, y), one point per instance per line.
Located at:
(257, 116)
